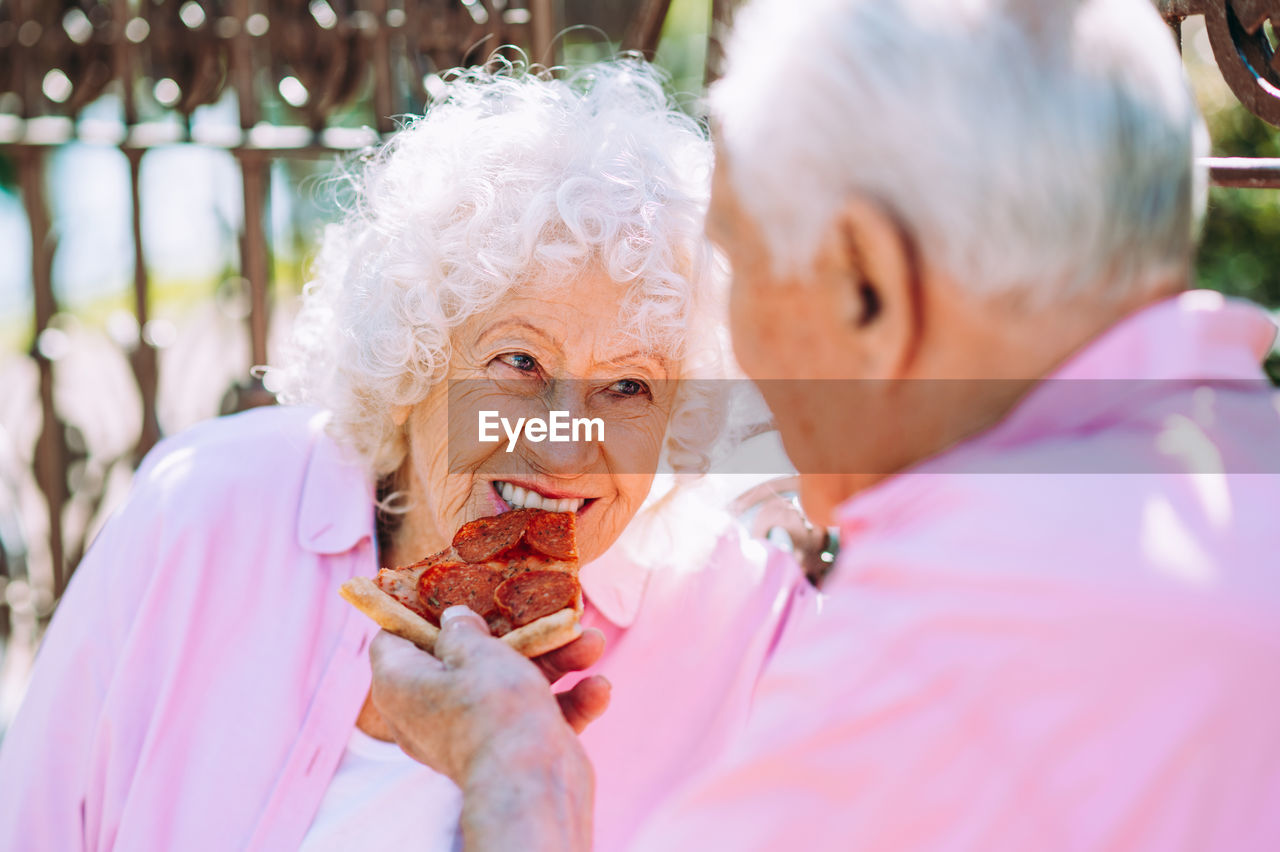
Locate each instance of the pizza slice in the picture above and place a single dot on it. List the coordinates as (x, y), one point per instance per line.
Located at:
(517, 570)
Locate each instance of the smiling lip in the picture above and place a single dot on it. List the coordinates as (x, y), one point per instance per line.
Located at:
(527, 497)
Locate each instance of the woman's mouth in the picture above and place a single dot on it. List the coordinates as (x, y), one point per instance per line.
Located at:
(526, 498)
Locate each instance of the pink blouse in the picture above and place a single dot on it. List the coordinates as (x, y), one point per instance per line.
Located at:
(201, 677)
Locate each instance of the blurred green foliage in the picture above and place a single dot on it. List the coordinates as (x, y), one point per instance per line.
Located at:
(1240, 249)
(1240, 246)
(8, 174)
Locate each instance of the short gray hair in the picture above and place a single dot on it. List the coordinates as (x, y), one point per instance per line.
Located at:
(1039, 147)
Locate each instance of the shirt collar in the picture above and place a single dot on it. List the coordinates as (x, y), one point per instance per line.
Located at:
(1199, 334)
(1196, 336)
(335, 511)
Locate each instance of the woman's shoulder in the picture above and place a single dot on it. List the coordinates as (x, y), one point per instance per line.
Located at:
(263, 469)
(267, 443)
(265, 480)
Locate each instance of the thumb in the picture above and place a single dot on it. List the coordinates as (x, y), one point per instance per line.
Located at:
(461, 632)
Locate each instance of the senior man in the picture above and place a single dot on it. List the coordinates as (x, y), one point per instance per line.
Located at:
(960, 234)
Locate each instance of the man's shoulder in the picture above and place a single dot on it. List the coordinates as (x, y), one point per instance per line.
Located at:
(1100, 591)
(1011, 560)
(1167, 527)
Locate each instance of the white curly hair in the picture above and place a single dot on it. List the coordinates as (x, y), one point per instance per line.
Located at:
(512, 175)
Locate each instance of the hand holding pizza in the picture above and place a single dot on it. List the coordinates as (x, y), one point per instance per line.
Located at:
(481, 714)
(478, 685)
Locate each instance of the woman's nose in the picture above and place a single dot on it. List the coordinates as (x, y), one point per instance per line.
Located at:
(571, 446)
(563, 460)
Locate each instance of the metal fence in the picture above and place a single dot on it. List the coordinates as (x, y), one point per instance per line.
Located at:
(292, 67)
(1245, 35)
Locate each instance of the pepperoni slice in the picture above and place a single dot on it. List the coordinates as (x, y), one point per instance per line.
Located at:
(483, 539)
(552, 533)
(455, 583)
(529, 596)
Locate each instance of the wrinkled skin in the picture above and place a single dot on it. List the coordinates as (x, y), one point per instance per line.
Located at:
(442, 714)
(548, 345)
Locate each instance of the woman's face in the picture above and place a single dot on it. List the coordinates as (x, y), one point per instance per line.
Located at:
(544, 349)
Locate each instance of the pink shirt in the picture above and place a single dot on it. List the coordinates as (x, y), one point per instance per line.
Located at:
(1011, 655)
(201, 678)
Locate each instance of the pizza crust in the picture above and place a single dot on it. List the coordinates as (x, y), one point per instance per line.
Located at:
(547, 633)
(533, 639)
(391, 615)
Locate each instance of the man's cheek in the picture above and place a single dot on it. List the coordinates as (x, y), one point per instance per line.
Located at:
(746, 347)
(756, 347)
(753, 325)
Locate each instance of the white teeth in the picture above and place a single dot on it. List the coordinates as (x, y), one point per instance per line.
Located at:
(520, 498)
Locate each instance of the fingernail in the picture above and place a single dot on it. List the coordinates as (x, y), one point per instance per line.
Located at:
(453, 613)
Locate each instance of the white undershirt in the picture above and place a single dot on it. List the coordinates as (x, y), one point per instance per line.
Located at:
(380, 798)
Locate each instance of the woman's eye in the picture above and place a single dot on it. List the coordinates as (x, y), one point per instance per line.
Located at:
(629, 387)
(519, 361)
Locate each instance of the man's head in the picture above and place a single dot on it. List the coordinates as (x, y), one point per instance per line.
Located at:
(964, 189)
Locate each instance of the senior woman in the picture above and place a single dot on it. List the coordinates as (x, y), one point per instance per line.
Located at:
(529, 240)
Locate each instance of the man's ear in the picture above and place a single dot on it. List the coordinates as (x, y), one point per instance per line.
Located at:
(400, 414)
(877, 276)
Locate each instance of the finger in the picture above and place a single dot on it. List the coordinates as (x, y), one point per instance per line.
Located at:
(399, 668)
(395, 657)
(586, 702)
(582, 653)
(463, 636)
